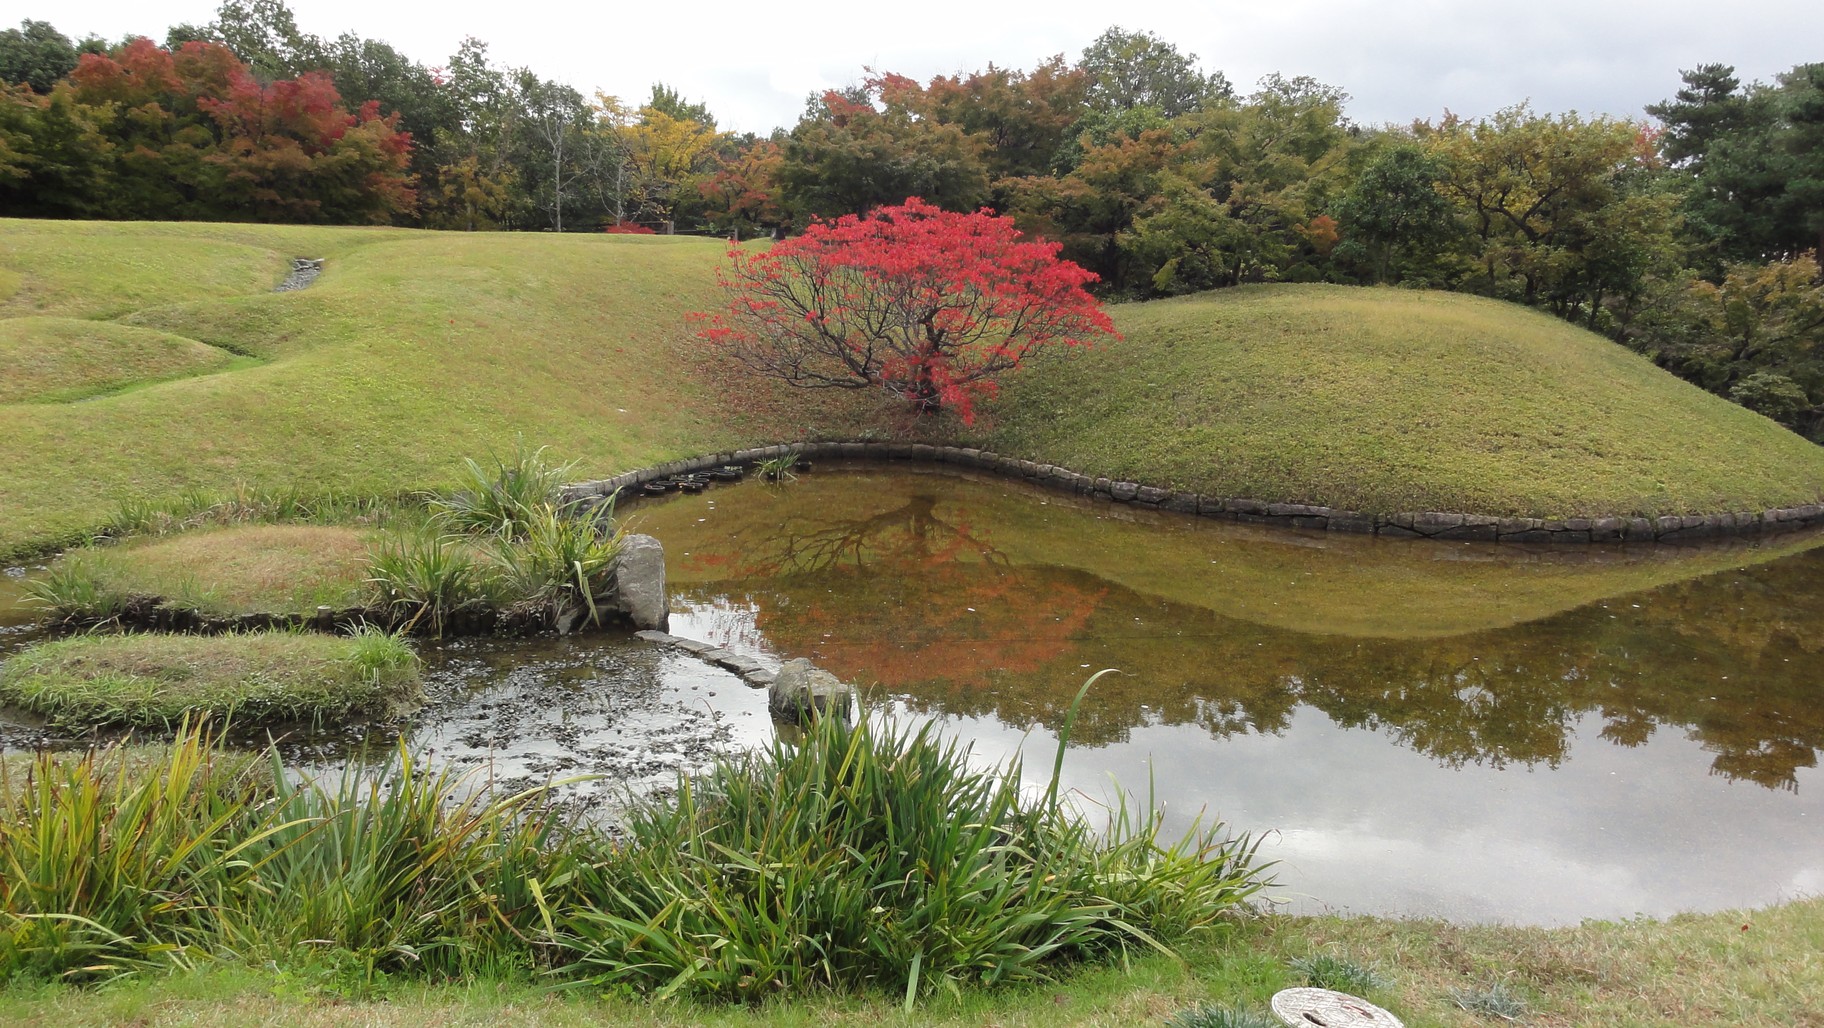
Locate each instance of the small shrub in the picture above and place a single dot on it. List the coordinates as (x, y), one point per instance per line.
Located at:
(1339, 974)
(499, 501)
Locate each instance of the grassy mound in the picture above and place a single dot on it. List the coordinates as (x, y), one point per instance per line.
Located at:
(56, 360)
(411, 352)
(416, 349)
(160, 679)
(248, 569)
(1387, 400)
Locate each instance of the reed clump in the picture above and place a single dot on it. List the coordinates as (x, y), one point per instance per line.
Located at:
(869, 858)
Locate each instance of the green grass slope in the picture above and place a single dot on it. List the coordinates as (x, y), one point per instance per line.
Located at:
(415, 349)
(1387, 400)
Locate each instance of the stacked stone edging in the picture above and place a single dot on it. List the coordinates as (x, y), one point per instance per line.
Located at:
(1421, 525)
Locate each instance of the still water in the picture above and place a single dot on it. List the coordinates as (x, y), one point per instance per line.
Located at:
(1466, 730)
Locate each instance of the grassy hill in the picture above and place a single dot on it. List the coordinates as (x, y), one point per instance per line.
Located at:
(415, 349)
(1390, 400)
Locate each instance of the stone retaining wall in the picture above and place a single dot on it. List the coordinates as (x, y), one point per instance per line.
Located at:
(1428, 525)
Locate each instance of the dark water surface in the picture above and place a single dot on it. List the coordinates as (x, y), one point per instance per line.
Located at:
(1532, 734)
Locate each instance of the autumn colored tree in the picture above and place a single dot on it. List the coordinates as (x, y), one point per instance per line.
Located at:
(925, 304)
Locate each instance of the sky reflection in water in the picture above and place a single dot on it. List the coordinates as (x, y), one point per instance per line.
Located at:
(1473, 731)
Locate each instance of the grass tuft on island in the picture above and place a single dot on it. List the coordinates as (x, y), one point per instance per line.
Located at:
(160, 680)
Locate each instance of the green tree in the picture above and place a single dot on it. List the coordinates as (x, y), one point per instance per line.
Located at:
(1129, 70)
(1559, 211)
(1752, 158)
(35, 54)
(1394, 210)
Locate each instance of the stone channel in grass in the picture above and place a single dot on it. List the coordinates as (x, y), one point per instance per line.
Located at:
(157, 679)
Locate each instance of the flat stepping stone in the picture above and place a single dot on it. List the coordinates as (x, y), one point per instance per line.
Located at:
(741, 664)
(1326, 1008)
(654, 636)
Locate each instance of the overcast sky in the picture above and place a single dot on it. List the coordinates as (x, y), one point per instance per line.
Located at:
(754, 63)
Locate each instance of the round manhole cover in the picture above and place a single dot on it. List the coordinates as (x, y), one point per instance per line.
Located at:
(1323, 1008)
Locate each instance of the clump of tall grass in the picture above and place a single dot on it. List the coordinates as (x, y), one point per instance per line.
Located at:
(501, 499)
(1212, 1016)
(107, 868)
(562, 563)
(111, 865)
(1339, 974)
(71, 590)
(877, 857)
(872, 857)
(403, 870)
(423, 575)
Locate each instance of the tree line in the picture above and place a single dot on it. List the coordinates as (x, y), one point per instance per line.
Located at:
(1690, 234)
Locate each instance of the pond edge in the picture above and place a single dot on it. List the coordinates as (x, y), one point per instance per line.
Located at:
(1414, 525)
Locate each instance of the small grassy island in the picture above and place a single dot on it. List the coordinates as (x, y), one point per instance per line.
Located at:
(157, 680)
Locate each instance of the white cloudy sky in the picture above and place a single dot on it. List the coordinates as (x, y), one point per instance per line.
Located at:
(754, 62)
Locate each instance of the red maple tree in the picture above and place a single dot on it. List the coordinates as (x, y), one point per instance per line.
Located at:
(922, 302)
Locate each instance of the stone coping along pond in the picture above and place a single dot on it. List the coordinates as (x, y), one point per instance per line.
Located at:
(1412, 524)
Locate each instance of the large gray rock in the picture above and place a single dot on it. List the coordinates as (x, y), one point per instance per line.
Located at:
(639, 582)
(801, 692)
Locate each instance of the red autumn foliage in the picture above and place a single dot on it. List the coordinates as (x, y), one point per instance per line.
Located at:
(924, 303)
(627, 228)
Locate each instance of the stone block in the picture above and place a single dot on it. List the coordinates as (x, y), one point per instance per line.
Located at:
(1183, 503)
(639, 582)
(1124, 491)
(1432, 522)
(1350, 521)
(1150, 494)
(799, 693)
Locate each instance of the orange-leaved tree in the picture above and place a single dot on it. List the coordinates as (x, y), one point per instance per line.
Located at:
(924, 303)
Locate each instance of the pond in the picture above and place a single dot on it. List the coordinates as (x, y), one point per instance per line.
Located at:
(1473, 731)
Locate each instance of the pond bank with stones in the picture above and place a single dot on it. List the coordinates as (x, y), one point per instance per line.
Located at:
(1417, 524)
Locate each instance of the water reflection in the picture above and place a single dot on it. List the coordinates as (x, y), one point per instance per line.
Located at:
(924, 595)
(1632, 712)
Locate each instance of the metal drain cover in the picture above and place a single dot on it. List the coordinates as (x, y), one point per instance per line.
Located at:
(1324, 1008)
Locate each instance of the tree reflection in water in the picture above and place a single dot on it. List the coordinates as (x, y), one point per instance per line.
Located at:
(918, 592)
